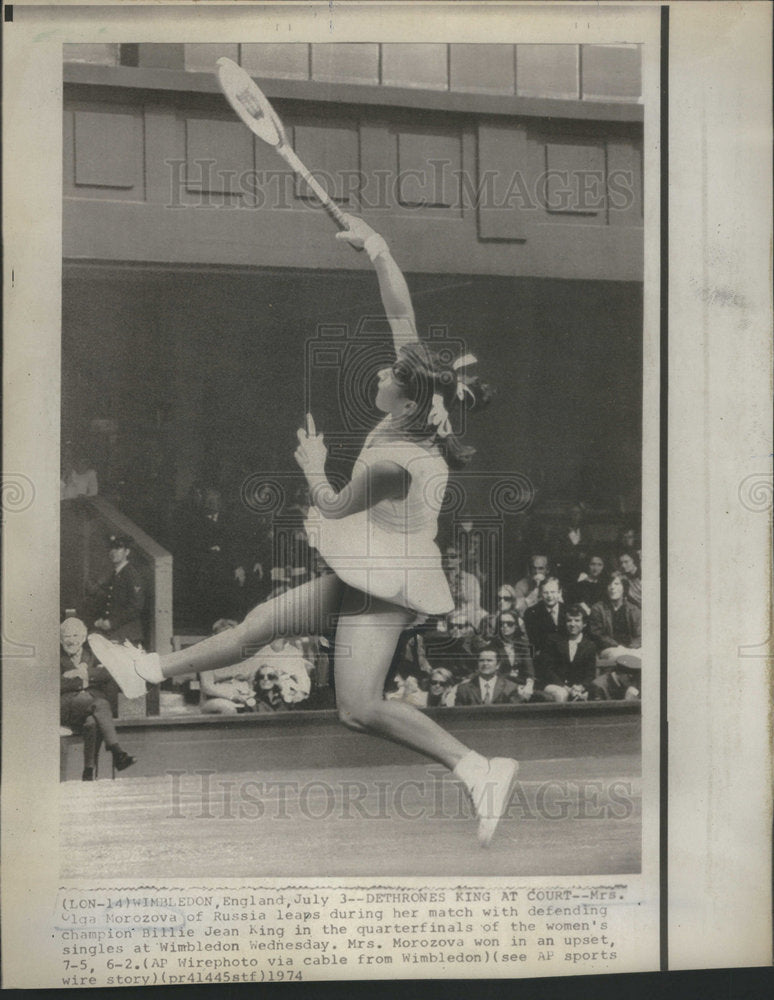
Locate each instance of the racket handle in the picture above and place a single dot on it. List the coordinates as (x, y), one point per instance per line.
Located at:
(289, 155)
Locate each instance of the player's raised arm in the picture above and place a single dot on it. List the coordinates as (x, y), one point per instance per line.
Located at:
(392, 285)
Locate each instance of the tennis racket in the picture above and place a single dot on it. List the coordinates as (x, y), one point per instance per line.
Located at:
(252, 106)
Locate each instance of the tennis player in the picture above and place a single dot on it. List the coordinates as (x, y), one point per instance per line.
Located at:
(377, 534)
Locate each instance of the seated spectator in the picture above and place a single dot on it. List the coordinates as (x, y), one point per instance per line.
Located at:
(568, 664)
(506, 601)
(615, 623)
(629, 565)
(591, 584)
(620, 682)
(487, 686)
(410, 659)
(117, 601)
(570, 548)
(86, 694)
(441, 688)
(465, 588)
(528, 588)
(545, 618)
(513, 647)
(79, 479)
(455, 648)
(268, 692)
(283, 658)
(227, 690)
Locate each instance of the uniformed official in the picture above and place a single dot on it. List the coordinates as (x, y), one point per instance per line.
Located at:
(119, 599)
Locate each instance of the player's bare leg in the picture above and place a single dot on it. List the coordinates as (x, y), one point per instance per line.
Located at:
(305, 610)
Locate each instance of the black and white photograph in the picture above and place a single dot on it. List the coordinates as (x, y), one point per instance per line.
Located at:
(351, 459)
(363, 385)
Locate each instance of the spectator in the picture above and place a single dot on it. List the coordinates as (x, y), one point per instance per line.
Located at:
(615, 623)
(283, 658)
(86, 694)
(268, 692)
(465, 588)
(457, 650)
(117, 602)
(545, 618)
(409, 672)
(629, 565)
(506, 601)
(512, 647)
(441, 688)
(516, 657)
(487, 686)
(410, 659)
(591, 585)
(620, 682)
(79, 478)
(528, 588)
(570, 548)
(567, 665)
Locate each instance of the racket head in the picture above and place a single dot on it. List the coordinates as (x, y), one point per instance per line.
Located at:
(250, 103)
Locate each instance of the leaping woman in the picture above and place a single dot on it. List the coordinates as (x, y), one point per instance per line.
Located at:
(377, 534)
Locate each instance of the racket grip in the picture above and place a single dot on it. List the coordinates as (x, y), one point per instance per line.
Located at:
(334, 212)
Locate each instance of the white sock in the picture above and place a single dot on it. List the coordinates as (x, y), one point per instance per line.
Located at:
(471, 767)
(149, 668)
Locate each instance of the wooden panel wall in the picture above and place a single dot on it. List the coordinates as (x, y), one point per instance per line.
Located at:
(175, 178)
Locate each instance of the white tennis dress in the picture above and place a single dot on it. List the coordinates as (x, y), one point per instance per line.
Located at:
(389, 549)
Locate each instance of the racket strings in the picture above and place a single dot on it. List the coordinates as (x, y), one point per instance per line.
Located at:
(251, 103)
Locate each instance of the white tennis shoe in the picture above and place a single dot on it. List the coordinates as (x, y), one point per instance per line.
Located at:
(491, 793)
(120, 662)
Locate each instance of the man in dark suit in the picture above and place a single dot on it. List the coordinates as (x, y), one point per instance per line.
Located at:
(119, 599)
(567, 665)
(487, 686)
(547, 617)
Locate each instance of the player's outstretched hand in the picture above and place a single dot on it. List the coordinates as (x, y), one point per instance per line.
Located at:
(311, 452)
(358, 232)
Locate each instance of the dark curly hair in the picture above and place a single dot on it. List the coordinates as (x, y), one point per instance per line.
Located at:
(423, 372)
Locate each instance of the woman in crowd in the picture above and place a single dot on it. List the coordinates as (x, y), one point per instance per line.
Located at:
(591, 584)
(629, 565)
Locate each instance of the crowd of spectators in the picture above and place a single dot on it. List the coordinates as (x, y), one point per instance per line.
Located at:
(565, 629)
(549, 634)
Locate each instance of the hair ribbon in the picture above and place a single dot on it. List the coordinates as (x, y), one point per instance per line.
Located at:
(439, 415)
